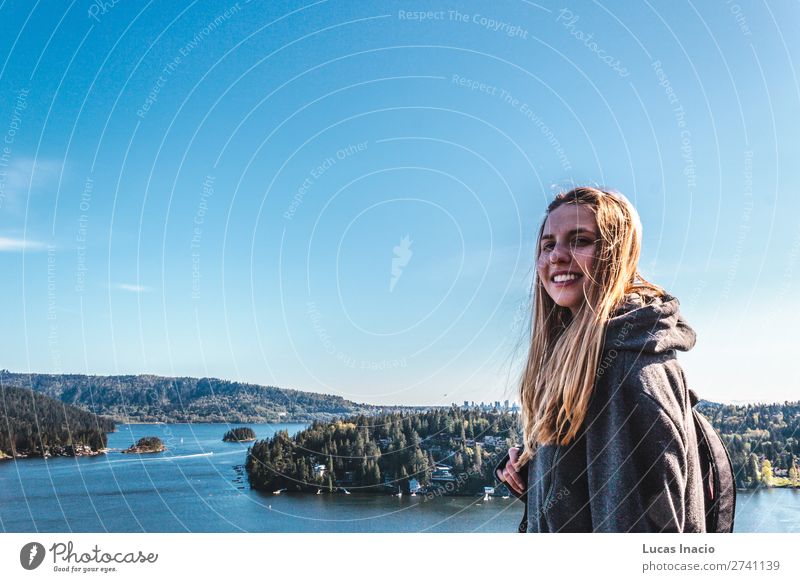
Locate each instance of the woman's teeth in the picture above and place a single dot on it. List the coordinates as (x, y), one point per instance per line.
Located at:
(562, 278)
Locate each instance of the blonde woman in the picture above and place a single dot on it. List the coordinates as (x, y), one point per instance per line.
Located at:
(609, 441)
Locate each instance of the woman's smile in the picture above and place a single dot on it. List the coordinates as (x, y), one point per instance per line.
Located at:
(565, 279)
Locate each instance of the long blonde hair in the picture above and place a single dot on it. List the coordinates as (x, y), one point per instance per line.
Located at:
(564, 352)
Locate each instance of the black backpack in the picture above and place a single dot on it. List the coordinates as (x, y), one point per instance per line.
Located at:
(719, 484)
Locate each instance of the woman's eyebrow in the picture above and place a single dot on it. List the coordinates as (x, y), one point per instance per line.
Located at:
(570, 233)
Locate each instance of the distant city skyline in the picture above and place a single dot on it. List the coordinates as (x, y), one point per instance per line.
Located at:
(343, 197)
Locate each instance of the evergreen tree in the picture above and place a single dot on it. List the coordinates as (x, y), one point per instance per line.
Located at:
(458, 463)
(375, 474)
(477, 460)
(794, 473)
(755, 473)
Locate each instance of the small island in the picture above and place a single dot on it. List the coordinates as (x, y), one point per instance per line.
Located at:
(242, 434)
(146, 445)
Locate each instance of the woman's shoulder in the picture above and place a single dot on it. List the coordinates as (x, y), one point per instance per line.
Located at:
(647, 382)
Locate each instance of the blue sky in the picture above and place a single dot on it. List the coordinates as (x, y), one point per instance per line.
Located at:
(343, 197)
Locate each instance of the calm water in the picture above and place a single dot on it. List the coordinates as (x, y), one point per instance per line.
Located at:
(198, 485)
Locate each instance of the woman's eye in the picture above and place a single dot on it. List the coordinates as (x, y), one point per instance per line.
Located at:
(547, 247)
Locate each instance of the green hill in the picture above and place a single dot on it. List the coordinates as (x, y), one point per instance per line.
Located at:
(763, 441)
(147, 398)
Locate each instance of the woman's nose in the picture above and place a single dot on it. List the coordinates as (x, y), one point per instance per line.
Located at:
(559, 253)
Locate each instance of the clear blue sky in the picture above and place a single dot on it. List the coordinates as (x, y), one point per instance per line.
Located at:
(343, 196)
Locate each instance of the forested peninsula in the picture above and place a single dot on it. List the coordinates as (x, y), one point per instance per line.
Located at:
(446, 450)
(453, 450)
(35, 425)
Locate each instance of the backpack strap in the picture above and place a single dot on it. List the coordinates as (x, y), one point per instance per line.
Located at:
(719, 484)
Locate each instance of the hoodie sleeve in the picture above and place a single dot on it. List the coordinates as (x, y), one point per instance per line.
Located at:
(636, 459)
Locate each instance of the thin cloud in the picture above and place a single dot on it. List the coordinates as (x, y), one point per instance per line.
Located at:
(133, 288)
(16, 245)
(25, 175)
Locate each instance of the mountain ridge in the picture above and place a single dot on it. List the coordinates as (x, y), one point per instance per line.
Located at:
(153, 398)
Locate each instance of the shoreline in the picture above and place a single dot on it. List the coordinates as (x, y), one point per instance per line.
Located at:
(50, 455)
(747, 490)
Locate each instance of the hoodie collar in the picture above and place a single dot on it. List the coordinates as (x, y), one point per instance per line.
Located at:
(648, 324)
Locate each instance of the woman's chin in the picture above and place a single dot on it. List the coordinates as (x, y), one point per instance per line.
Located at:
(568, 302)
(569, 297)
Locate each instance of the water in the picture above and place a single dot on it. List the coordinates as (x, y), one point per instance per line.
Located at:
(196, 487)
(768, 510)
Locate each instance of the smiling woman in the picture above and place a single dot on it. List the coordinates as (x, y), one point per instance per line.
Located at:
(606, 414)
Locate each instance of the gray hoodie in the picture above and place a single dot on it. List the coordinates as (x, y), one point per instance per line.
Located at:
(634, 466)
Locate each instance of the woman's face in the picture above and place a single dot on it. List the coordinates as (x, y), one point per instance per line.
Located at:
(567, 254)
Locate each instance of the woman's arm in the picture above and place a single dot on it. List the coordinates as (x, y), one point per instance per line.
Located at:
(636, 457)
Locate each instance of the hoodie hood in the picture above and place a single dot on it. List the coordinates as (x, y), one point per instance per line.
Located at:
(648, 324)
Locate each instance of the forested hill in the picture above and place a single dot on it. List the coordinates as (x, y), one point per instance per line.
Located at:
(32, 424)
(763, 441)
(147, 398)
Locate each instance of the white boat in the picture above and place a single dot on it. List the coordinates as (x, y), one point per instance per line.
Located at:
(278, 492)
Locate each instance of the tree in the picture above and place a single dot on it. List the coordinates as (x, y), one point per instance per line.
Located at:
(419, 466)
(402, 480)
(375, 475)
(794, 473)
(458, 463)
(766, 473)
(477, 460)
(754, 472)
